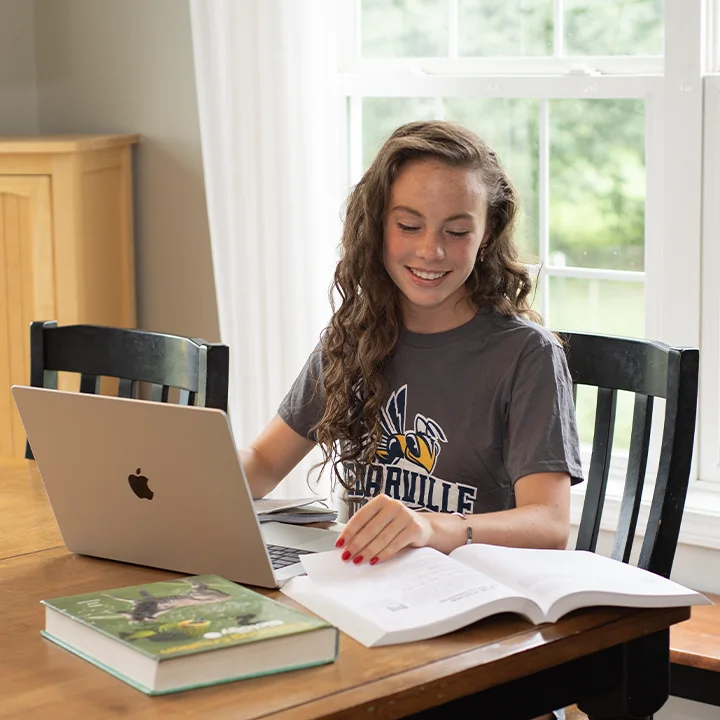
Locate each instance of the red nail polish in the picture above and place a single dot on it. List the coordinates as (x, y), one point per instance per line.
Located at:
(339, 542)
(346, 555)
(358, 559)
(374, 561)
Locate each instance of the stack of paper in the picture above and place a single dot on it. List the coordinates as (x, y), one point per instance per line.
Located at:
(297, 511)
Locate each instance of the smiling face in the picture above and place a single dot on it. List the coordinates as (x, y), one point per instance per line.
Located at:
(434, 226)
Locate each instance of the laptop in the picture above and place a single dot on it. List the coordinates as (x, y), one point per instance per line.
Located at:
(156, 484)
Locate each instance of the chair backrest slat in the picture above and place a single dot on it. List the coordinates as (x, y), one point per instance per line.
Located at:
(599, 469)
(635, 478)
(127, 388)
(663, 528)
(200, 370)
(159, 393)
(89, 383)
(49, 379)
(186, 398)
(648, 369)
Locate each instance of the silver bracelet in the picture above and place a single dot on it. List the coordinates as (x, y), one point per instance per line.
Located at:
(469, 538)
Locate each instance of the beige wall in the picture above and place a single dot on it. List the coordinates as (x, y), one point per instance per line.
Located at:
(127, 66)
(18, 96)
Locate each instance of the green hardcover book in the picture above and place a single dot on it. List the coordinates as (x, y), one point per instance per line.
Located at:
(180, 634)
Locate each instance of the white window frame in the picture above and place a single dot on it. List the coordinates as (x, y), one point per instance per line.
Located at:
(709, 409)
(673, 89)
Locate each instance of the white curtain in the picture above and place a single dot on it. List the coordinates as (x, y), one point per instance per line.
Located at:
(270, 128)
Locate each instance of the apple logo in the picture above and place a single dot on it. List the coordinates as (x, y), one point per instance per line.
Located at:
(139, 485)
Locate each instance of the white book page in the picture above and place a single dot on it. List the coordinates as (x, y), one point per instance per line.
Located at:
(419, 587)
(563, 580)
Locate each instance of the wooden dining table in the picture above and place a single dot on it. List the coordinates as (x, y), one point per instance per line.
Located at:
(609, 660)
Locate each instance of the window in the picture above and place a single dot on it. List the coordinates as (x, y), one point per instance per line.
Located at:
(596, 109)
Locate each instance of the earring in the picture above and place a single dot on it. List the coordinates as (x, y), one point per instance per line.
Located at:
(482, 253)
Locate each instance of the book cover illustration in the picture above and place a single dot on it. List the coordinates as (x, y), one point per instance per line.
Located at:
(184, 616)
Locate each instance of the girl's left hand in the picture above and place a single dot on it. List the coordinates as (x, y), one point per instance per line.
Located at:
(380, 529)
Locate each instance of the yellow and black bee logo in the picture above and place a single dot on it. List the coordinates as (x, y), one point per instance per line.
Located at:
(420, 446)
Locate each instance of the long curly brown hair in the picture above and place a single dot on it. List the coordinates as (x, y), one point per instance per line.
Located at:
(364, 329)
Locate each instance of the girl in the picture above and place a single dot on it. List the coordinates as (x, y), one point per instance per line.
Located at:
(434, 388)
(438, 400)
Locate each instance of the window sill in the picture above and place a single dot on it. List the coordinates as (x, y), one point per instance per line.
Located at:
(701, 517)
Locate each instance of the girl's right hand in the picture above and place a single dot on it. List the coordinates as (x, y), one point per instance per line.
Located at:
(380, 529)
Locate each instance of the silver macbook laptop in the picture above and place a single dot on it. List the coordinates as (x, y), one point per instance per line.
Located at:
(156, 484)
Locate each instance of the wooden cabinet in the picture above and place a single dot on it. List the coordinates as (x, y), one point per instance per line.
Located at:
(66, 247)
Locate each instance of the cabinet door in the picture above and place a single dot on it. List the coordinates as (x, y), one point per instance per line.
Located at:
(27, 289)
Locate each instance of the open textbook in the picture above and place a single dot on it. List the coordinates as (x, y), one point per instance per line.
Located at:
(422, 593)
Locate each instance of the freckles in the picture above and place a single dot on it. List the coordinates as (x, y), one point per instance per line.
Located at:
(395, 245)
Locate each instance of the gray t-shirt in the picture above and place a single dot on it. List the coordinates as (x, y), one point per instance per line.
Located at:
(469, 412)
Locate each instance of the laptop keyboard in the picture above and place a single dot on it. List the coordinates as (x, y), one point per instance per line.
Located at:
(281, 556)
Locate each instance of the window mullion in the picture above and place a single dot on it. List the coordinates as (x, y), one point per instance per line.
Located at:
(679, 268)
(558, 28)
(531, 66)
(355, 132)
(348, 51)
(683, 163)
(654, 213)
(452, 18)
(590, 273)
(403, 82)
(712, 36)
(709, 414)
(544, 205)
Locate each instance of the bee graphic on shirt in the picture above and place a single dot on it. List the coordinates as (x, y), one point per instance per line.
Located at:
(420, 446)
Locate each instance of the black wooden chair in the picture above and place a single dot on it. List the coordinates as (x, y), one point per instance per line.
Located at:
(198, 369)
(649, 370)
